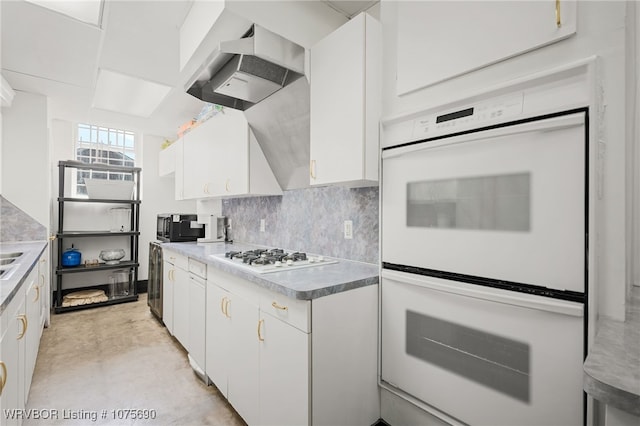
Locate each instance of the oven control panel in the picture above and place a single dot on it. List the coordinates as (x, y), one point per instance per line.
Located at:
(472, 116)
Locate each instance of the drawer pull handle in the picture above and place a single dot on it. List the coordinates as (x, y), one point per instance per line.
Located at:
(260, 338)
(312, 169)
(3, 380)
(226, 185)
(25, 324)
(222, 306)
(282, 308)
(226, 308)
(37, 294)
(558, 15)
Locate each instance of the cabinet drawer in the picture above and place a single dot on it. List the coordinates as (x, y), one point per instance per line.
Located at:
(177, 260)
(198, 268)
(292, 311)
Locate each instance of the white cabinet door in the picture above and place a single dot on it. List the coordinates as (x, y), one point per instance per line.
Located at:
(345, 103)
(179, 168)
(33, 311)
(199, 161)
(12, 357)
(437, 40)
(168, 283)
(45, 287)
(197, 319)
(284, 373)
(221, 159)
(167, 160)
(231, 156)
(181, 306)
(218, 337)
(243, 367)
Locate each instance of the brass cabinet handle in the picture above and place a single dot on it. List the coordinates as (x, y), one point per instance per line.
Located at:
(206, 188)
(222, 306)
(312, 169)
(558, 15)
(226, 308)
(51, 238)
(260, 330)
(282, 308)
(172, 274)
(3, 379)
(37, 294)
(42, 280)
(25, 324)
(226, 185)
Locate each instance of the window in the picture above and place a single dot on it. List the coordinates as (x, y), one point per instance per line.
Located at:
(104, 145)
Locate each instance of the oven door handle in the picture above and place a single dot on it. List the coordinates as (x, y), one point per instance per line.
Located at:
(487, 293)
(549, 124)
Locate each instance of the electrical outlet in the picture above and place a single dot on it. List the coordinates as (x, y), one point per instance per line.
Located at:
(348, 229)
(262, 225)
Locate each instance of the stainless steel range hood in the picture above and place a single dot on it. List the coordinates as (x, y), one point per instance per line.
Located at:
(241, 73)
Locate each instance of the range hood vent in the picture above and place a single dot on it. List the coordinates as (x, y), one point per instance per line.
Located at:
(241, 73)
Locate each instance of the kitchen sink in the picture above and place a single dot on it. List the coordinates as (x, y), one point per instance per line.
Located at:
(7, 271)
(11, 255)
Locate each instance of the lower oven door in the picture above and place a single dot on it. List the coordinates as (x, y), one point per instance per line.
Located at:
(481, 355)
(505, 203)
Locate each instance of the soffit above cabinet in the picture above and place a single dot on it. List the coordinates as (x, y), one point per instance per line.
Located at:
(351, 8)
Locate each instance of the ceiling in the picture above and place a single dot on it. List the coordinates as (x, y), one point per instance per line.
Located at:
(49, 53)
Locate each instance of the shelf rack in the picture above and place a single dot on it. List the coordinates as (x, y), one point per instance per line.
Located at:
(133, 235)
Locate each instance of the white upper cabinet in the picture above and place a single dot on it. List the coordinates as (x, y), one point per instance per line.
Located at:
(438, 40)
(222, 159)
(345, 104)
(167, 160)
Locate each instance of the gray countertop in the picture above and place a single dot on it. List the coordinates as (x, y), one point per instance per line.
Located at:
(305, 284)
(20, 268)
(612, 368)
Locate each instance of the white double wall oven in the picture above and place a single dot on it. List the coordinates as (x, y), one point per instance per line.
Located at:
(485, 263)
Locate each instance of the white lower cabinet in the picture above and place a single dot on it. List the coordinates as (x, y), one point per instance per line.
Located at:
(167, 295)
(34, 317)
(259, 354)
(21, 325)
(184, 302)
(242, 382)
(284, 373)
(12, 357)
(181, 306)
(218, 331)
(196, 310)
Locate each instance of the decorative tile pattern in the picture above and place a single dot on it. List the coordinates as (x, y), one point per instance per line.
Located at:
(310, 220)
(16, 225)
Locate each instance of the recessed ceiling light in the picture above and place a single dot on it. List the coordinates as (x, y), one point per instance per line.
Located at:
(88, 11)
(127, 95)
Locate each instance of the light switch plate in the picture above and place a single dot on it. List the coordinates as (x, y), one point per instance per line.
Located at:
(348, 229)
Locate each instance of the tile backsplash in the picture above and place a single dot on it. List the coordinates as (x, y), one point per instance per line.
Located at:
(16, 225)
(310, 220)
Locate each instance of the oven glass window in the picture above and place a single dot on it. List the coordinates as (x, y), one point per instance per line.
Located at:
(500, 202)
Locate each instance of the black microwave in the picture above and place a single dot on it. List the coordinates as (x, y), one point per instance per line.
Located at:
(179, 227)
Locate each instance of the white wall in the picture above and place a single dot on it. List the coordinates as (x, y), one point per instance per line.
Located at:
(157, 197)
(25, 155)
(601, 31)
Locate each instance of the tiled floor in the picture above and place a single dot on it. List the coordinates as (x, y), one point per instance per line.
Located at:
(103, 361)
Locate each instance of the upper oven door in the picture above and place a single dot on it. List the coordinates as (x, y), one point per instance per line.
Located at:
(507, 203)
